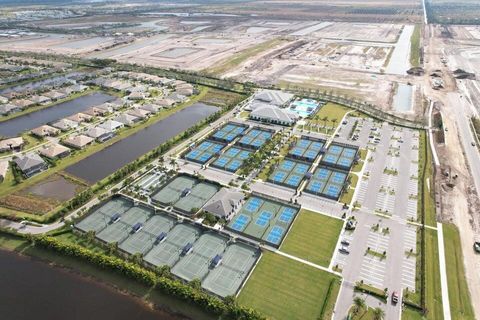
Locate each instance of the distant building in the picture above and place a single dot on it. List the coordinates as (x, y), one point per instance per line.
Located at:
(275, 97)
(111, 125)
(274, 115)
(65, 124)
(139, 113)
(30, 164)
(127, 119)
(6, 109)
(152, 108)
(80, 117)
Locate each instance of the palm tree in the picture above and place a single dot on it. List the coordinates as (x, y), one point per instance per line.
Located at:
(378, 314)
(359, 304)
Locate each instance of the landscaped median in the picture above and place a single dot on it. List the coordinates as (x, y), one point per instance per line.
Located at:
(282, 288)
(313, 237)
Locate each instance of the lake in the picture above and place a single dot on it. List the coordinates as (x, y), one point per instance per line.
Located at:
(105, 162)
(15, 126)
(32, 289)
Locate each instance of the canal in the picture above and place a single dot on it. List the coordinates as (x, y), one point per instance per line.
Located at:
(32, 289)
(15, 126)
(107, 161)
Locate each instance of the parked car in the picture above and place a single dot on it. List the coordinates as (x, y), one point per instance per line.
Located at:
(344, 250)
(345, 242)
(351, 225)
(473, 144)
(395, 297)
(476, 246)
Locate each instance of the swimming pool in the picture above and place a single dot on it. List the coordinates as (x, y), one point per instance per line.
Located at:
(304, 107)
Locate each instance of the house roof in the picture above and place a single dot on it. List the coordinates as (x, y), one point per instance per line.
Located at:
(65, 124)
(3, 168)
(224, 202)
(96, 132)
(275, 97)
(78, 141)
(139, 113)
(126, 118)
(11, 143)
(80, 117)
(275, 113)
(111, 125)
(53, 150)
(150, 107)
(28, 161)
(44, 130)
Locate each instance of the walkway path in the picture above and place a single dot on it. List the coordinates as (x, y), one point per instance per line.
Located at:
(443, 273)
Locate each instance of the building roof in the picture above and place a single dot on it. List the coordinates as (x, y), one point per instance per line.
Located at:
(45, 130)
(3, 169)
(276, 114)
(80, 117)
(11, 143)
(28, 161)
(111, 125)
(65, 124)
(96, 132)
(6, 108)
(53, 150)
(150, 107)
(79, 141)
(126, 119)
(275, 97)
(224, 202)
(139, 113)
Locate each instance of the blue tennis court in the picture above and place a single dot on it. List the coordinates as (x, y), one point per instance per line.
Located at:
(264, 219)
(240, 222)
(327, 182)
(204, 151)
(340, 156)
(255, 138)
(275, 235)
(232, 159)
(306, 149)
(228, 132)
(289, 173)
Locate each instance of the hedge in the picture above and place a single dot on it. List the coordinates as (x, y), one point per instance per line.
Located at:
(371, 290)
(134, 271)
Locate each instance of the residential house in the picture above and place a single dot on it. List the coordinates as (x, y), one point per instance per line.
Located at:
(30, 164)
(12, 144)
(3, 99)
(23, 103)
(152, 108)
(65, 124)
(78, 142)
(127, 119)
(165, 102)
(40, 99)
(139, 113)
(80, 117)
(111, 125)
(100, 134)
(105, 106)
(6, 109)
(54, 151)
(3, 170)
(45, 131)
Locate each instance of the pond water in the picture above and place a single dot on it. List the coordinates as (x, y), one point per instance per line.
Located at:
(402, 101)
(15, 126)
(112, 158)
(34, 290)
(56, 187)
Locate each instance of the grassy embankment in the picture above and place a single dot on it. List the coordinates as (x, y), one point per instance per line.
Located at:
(313, 237)
(458, 294)
(415, 46)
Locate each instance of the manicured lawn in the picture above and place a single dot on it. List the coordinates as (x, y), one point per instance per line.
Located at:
(313, 237)
(424, 149)
(459, 296)
(433, 288)
(282, 288)
(348, 194)
(410, 314)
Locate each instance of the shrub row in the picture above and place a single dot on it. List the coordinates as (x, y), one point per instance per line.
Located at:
(134, 271)
(359, 286)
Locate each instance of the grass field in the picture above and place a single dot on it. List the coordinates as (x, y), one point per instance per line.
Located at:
(433, 288)
(313, 237)
(423, 186)
(282, 288)
(415, 46)
(329, 116)
(459, 296)
(348, 195)
(242, 56)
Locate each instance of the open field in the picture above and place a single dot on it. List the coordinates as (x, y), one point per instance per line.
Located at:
(460, 302)
(285, 289)
(313, 237)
